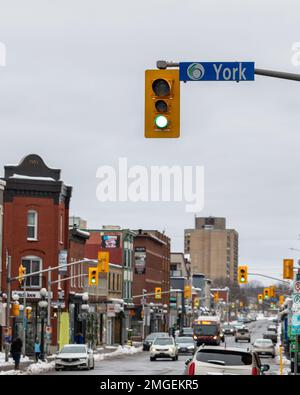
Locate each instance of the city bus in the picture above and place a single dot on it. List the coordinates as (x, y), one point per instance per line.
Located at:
(207, 330)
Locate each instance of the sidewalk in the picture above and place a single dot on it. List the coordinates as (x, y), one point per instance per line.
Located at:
(29, 366)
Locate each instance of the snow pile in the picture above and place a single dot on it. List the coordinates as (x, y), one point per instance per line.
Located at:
(121, 350)
(10, 360)
(11, 372)
(40, 367)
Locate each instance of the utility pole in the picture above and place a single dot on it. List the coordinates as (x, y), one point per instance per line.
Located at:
(8, 279)
(24, 319)
(49, 308)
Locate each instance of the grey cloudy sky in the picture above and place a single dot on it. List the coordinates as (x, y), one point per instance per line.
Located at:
(73, 92)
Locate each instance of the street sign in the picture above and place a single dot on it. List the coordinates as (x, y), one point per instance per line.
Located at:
(296, 302)
(216, 71)
(295, 324)
(297, 287)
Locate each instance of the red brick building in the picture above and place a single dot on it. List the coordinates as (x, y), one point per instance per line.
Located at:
(35, 233)
(152, 270)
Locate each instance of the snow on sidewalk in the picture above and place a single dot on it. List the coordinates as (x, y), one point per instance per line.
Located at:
(11, 361)
(121, 350)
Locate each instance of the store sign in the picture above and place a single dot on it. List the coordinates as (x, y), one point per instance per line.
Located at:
(30, 294)
(140, 260)
(108, 241)
(111, 310)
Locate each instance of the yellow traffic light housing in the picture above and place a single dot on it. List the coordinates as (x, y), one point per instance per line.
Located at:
(266, 293)
(162, 103)
(157, 293)
(93, 276)
(187, 292)
(22, 272)
(216, 296)
(260, 298)
(272, 291)
(288, 272)
(281, 300)
(243, 274)
(103, 261)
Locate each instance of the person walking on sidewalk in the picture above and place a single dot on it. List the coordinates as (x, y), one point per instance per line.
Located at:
(37, 349)
(16, 349)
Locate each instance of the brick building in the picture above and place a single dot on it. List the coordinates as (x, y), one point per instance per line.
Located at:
(151, 270)
(35, 233)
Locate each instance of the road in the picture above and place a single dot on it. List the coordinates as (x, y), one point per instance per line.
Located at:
(140, 363)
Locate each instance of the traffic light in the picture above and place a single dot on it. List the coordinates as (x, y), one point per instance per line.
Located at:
(272, 291)
(162, 103)
(187, 292)
(243, 274)
(281, 300)
(157, 293)
(260, 298)
(216, 296)
(103, 261)
(15, 311)
(288, 272)
(266, 293)
(28, 312)
(22, 272)
(93, 276)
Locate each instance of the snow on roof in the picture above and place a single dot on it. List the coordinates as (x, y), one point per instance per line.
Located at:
(82, 232)
(24, 177)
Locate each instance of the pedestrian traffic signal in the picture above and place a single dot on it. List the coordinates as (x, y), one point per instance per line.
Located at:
(260, 298)
(162, 103)
(22, 272)
(103, 261)
(243, 274)
(93, 276)
(187, 292)
(157, 293)
(266, 293)
(288, 272)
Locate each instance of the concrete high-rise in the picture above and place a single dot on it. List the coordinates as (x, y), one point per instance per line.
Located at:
(213, 249)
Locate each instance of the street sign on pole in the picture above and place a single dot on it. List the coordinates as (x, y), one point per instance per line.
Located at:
(216, 71)
(297, 287)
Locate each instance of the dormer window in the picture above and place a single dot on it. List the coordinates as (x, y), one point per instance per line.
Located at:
(32, 223)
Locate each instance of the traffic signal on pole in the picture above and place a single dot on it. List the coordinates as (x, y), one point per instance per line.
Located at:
(281, 300)
(22, 272)
(157, 293)
(162, 103)
(216, 296)
(288, 272)
(93, 276)
(243, 274)
(260, 298)
(103, 262)
(15, 311)
(266, 293)
(272, 291)
(28, 312)
(187, 292)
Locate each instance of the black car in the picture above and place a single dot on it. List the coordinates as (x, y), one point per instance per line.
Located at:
(149, 339)
(270, 335)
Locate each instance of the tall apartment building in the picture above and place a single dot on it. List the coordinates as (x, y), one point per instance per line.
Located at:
(213, 249)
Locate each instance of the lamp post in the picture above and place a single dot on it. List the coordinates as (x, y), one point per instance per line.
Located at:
(43, 304)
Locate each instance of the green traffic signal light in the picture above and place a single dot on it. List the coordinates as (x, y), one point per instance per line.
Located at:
(161, 121)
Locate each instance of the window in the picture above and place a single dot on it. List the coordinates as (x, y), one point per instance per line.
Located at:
(118, 282)
(32, 219)
(113, 281)
(61, 229)
(229, 358)
(33, 264)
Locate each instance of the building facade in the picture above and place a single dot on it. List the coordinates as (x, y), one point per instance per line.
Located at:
(213, 249)
(35, 234)
(151, 270)
(2, 311)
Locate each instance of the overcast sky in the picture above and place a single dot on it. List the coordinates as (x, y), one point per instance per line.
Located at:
(73, 92)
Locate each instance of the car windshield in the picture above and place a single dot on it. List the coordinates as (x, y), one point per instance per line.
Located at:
(163, 341)
(224, 357)
(184, 340)
(263, 342)
(73, 350)
(206, 330)
(154, 335)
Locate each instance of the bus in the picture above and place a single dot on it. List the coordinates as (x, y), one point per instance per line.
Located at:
(207, 330)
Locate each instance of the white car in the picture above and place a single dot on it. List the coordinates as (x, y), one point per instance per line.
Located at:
(75, 356)
(163, 347)
(211, 360)
(264, 347)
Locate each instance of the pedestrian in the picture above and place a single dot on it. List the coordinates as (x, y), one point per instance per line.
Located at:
(16, 349)
(37, 349)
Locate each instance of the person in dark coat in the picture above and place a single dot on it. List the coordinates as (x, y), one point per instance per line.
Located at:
(16, 350)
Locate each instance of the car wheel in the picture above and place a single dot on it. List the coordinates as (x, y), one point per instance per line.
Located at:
(57, 369)
(152, 359)
(174, 358)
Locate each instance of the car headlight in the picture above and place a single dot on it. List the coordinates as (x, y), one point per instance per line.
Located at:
(190, 347)
(83, 359)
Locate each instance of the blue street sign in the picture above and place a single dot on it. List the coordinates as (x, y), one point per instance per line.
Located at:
(216, 71)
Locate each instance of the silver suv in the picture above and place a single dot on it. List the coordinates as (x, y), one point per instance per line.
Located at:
(242, 334)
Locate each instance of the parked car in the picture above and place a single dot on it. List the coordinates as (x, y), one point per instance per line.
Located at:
(211, 360)
(242, 334)
(186, 332)
(75, 356)
(185, 344)
(270, 335)
(149, 339)
(264, 347)
(228, 329)
(164, 347)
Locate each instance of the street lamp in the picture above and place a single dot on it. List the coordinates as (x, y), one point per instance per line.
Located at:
(43, 304)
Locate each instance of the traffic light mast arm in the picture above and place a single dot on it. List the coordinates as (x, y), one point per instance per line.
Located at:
(273, 278)
(153, 293)
(163, 64)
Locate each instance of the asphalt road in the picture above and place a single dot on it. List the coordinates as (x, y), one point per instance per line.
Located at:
(140, 363)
